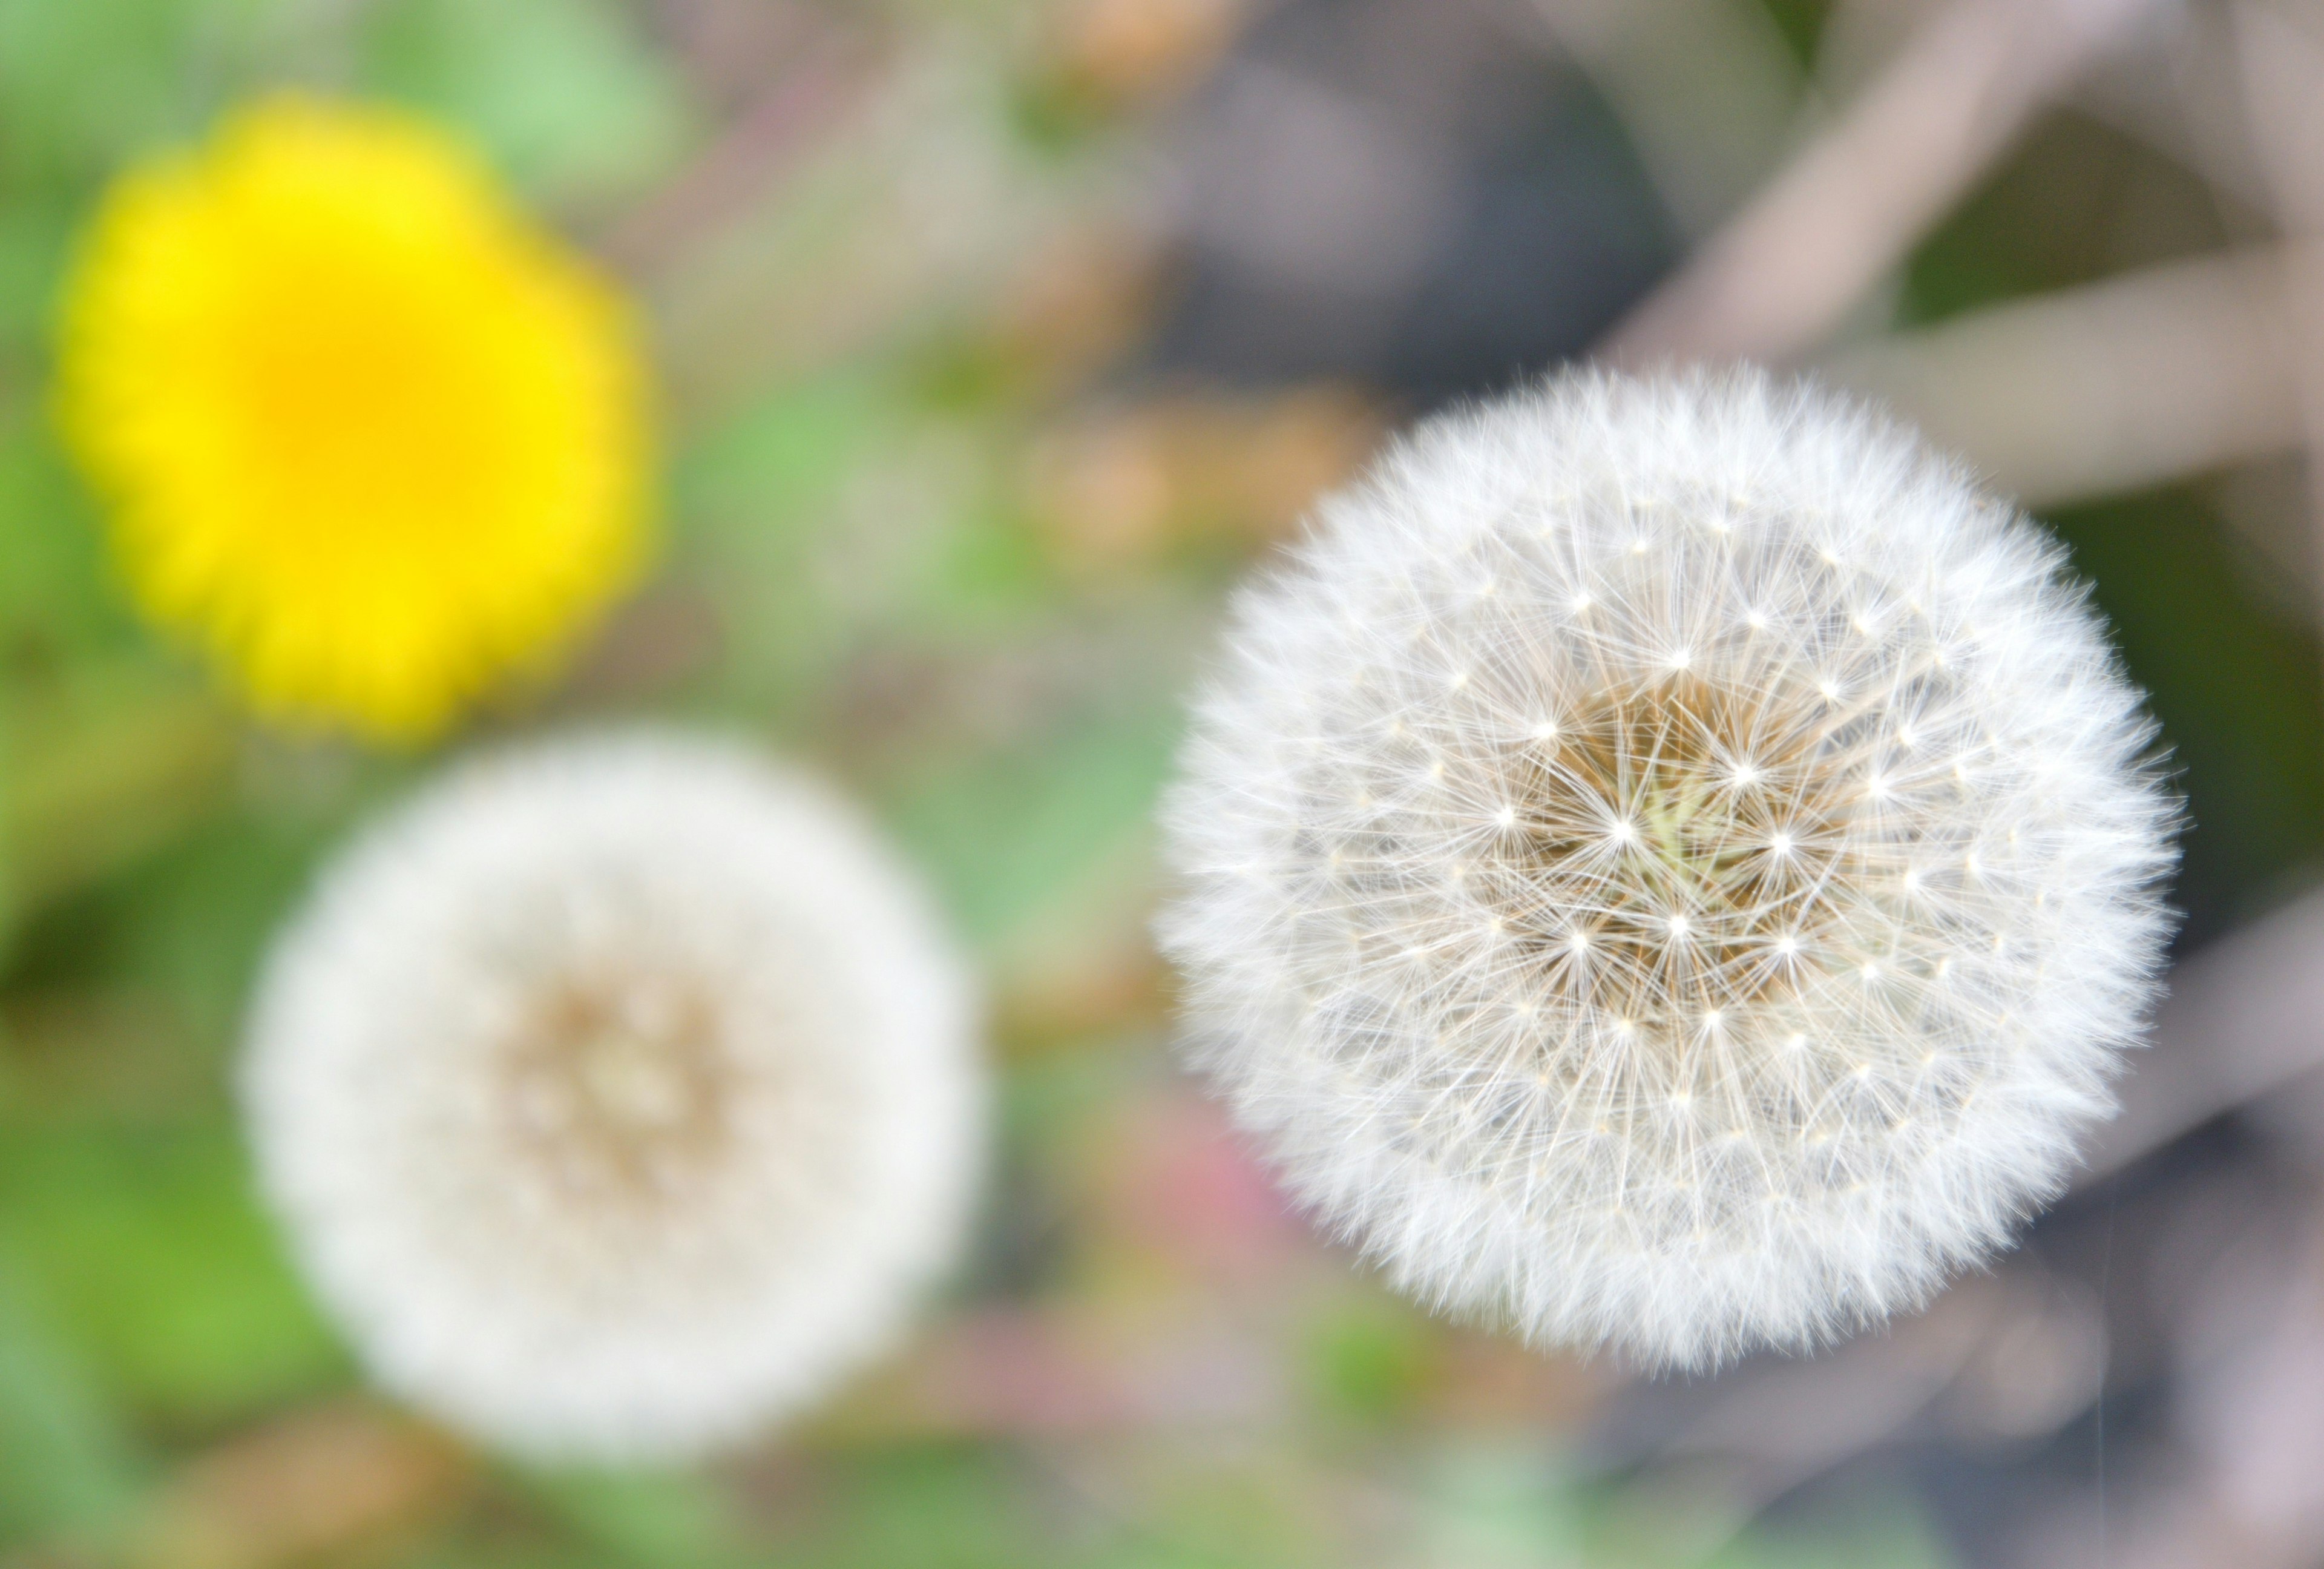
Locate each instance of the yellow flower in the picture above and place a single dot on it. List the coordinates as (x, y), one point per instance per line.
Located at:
(375, 439)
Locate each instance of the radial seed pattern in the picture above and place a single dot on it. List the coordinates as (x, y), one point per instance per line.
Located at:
(619, 1096)
(1669, 864)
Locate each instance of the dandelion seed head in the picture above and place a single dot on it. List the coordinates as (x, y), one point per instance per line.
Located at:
(1876, 1084)
(618, 1096)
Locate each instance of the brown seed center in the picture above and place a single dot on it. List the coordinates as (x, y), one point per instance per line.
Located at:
(1668, 846)
(617, 1086)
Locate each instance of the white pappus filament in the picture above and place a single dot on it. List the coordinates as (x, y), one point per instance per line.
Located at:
(618, 1094)
(1668, 864)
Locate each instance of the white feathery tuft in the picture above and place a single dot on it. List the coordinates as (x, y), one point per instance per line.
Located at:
(1669, 865)
(619, 1095)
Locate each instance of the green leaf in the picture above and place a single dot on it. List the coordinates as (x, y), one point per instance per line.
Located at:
(2235, 684)
(66, 1466)
(119, 761)
(1004, 833)
(147, 1251)
(1372, 1357)
(562, 93)
(58, 595)
(83, 83)
(669, 1520)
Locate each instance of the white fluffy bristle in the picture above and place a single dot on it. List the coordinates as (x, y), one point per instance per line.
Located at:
(619, 1096)
(1669, 865)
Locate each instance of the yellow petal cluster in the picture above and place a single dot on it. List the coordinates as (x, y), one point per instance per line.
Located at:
(372, 436)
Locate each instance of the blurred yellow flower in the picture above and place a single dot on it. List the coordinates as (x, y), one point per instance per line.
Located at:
(374, 439)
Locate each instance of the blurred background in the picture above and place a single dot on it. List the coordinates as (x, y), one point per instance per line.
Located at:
(996, 339)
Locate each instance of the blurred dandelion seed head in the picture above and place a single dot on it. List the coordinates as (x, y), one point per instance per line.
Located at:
(373, 438)
(618, 1096)
(1668, 865)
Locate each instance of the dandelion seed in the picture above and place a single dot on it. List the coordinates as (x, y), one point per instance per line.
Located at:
(1815, 1181)
(618, 1097)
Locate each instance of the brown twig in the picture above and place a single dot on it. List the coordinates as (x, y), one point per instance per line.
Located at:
(730, 47)
(2178, 91)
(2146, 377)
(2283, 65)
(2004, 1356)
(2244, 1017)
(828, 77)
(316, 1484)
(1777, 279)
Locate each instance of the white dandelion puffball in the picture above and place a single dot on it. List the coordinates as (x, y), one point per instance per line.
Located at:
(1668, 865)
(618, 1096)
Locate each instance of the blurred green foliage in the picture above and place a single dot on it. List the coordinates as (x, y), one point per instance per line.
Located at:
(858, 569)
(563, 94)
